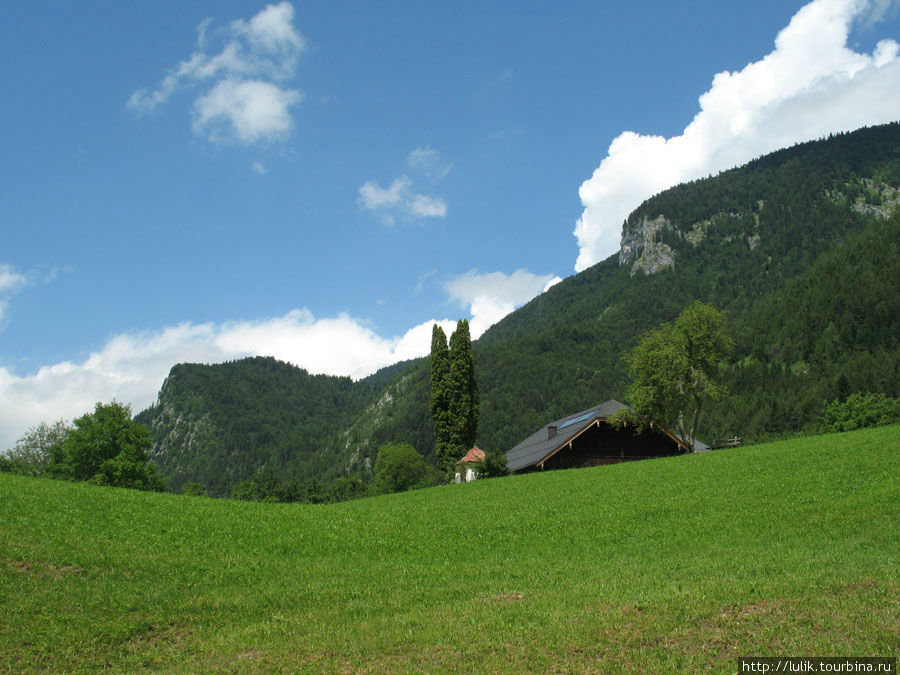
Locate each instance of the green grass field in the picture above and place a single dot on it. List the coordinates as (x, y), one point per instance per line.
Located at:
(788, 548)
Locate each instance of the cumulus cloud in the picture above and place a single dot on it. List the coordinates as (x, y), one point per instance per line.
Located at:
(131, 367)
(491, 296)
(249, 110)
(241, 97)
(811, 84)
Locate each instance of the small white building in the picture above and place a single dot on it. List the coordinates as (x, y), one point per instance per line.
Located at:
(466, 466)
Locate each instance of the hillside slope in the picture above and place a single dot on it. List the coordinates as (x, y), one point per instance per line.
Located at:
(672, 565)
(800, 248)
(796, 241)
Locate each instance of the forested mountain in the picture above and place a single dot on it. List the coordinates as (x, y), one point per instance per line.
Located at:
(218, 424)
(801, 248)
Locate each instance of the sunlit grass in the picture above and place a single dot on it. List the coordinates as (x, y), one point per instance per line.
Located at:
(780, 549)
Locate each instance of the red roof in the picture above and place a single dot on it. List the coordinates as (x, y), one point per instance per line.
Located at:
(473, 455)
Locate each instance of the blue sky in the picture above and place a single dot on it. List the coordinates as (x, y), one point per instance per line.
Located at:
(320, 181)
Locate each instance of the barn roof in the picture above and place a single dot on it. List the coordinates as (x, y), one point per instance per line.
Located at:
(544, 441)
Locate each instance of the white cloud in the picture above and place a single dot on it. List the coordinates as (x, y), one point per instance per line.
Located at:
(259, 168)
(239, 100)
(423, 206)
(551, 283)
(11, 282)
(491, 296)
(131, 367)
(249, 111)
(272, 31)
(372, 197)
(811, 84)
(399, 199)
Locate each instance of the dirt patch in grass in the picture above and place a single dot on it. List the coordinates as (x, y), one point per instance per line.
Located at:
(45, 569)
(151, 638)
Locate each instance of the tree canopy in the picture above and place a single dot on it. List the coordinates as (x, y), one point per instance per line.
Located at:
(399, 467)
(107, 447)
(676, 368)
(33, 452)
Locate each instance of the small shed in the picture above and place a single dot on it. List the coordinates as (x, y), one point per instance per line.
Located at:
(466, 467)
(587, 438)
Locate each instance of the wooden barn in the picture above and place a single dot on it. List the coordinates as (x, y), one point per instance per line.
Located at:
(587, 439)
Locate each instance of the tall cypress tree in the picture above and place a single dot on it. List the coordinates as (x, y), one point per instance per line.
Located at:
(464, 403)
(454, 394)
(440, 397)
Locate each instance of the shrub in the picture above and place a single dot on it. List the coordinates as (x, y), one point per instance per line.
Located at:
(493, 465)
(193, 490)
(399, 467)
(861, 410)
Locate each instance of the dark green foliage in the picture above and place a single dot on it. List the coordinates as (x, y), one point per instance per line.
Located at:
(858, 411)
(344, 489)
(454, 403)
(463, 392)
(107, 447)
(809, 278)
(812, 260)
(675, 368)
(493, 465)
(439, 404)
(398, 468)
(216, 425)
(269, 485)
(193, 490)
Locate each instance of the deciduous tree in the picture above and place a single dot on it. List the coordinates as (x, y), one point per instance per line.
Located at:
(31, 453)
(399, 467)
(108, 447)
(675, 368)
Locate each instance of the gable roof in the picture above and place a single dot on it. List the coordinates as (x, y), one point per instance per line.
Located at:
(473, 455)
(549, 439)
(544, 442)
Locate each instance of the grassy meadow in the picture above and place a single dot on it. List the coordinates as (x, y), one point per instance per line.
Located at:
(789, 548)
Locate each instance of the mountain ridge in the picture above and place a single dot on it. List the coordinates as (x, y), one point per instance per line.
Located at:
(751, 240)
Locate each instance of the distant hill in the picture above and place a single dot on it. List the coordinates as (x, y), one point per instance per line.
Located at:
(800, 247)
(217, 424)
